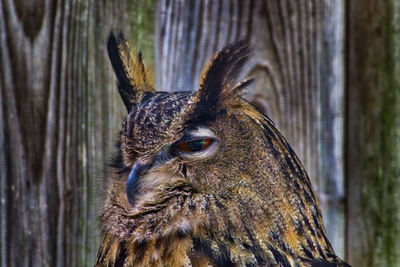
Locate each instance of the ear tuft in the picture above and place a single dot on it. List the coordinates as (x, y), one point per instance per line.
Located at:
(219, 78)
(132, 77)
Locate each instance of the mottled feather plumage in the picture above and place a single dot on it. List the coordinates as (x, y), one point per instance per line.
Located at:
(249, 203)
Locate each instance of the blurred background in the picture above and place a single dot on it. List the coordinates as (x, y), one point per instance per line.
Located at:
(328, 74)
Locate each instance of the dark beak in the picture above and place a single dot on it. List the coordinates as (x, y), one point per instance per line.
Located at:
(141, 167)
(138, 169)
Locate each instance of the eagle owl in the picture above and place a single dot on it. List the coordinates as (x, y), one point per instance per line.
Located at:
(204, 178)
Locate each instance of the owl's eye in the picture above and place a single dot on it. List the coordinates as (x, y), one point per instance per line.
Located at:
(195, 145)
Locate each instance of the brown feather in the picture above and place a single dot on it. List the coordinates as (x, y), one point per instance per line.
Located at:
(132, 76)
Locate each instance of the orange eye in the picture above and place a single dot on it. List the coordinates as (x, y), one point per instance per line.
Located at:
(195, 145)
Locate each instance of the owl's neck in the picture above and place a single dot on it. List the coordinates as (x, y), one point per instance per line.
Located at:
(178, 224)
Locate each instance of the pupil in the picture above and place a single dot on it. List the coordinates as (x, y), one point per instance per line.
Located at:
(195, 145)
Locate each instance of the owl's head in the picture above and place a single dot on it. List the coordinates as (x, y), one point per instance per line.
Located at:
(206, 137)
(209, 167)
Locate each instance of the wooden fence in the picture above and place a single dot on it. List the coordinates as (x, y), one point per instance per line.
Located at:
(328, 74)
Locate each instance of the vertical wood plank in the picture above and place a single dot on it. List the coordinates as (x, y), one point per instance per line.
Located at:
(59, 114)
(373, 133)
(298, 63)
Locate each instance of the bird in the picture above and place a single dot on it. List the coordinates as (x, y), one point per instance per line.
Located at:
(204, 178)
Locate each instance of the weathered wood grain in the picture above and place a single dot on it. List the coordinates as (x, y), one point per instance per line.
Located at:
(59, 114)
(298, 62)
(373, 133)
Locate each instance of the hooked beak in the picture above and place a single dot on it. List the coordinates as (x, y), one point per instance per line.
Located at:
(141, 167)
(138, 169)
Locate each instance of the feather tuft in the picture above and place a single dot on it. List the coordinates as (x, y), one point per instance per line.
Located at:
(219, 79)
(133, 79)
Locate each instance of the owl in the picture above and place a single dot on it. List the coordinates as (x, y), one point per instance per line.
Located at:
(204, 178)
